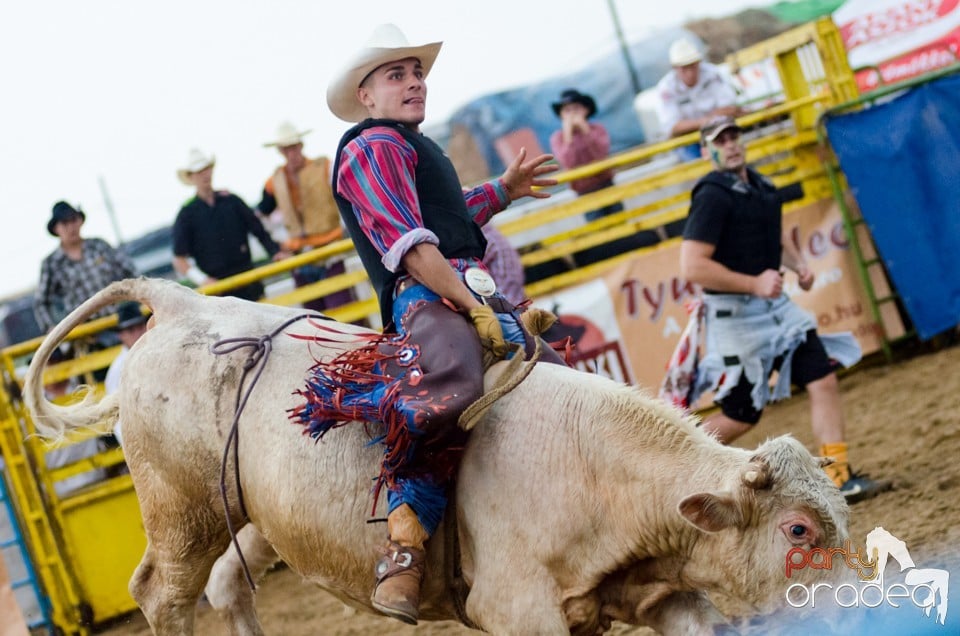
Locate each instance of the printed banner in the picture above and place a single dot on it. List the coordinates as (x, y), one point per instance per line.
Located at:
(888, 41)
(626, 323)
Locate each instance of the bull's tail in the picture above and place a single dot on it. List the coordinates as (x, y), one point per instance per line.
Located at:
(53, 421)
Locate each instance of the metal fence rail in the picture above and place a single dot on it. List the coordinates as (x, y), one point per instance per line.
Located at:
(34, 605)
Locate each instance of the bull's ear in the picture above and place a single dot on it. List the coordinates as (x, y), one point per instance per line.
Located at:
(711, 512)
(823, 462)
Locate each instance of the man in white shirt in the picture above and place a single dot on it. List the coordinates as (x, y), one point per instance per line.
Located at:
(692, 93)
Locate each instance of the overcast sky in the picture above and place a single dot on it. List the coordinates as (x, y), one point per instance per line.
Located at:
(120, 90)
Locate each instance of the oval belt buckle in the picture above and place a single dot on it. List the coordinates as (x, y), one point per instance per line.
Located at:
(480, 282)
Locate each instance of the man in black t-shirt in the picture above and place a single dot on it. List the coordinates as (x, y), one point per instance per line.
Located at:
(212, 228)
(733, 246)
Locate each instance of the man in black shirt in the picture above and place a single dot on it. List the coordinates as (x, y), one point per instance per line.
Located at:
(212, 229)
(733, 246)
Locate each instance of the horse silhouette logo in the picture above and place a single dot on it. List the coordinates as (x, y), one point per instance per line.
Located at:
(934, 583)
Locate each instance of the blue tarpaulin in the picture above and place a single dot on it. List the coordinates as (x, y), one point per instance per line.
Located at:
(902, 161)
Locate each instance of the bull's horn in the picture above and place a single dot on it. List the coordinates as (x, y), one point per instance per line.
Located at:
(824, 461)
(757, 475)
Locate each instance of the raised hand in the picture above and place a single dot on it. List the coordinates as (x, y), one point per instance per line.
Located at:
(522, 176)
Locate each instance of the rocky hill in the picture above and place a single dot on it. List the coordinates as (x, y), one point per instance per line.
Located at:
(726, 35)
(723, 36)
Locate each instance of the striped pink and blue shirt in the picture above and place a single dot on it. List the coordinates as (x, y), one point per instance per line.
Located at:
(378, 176)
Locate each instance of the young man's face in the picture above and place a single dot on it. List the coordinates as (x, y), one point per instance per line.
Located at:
(396, 90)
(727, 151)
(202, 179)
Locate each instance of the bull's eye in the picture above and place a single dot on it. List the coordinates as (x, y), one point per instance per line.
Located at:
(799, 530)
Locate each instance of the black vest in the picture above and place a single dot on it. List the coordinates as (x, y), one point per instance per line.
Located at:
(442, 207)
(751, 241)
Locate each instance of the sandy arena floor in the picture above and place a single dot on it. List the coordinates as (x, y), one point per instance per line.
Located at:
(903, 423)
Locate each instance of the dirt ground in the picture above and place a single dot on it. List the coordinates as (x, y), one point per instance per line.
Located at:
(903, 422)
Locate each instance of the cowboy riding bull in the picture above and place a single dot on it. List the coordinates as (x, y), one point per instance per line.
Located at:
(579, 501)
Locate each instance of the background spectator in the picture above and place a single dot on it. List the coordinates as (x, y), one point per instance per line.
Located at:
(300, 191)
(691, 94)
(212, 229)
(131, 324)
(579, 142)
(77, 269)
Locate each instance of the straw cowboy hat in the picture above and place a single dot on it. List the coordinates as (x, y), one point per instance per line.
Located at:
(386, 44)
(684, 52)
(63, 211)
(287, 135)
(197, 160)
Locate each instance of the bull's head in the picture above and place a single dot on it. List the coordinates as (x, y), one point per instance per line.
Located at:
(778, 501)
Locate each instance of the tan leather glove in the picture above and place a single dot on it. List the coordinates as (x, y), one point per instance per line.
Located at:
(535, 320)
(491, 334)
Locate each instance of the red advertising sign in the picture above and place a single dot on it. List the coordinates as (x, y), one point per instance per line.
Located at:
(889, 41)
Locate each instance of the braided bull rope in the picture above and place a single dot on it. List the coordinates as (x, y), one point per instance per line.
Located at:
(256, 361)
(516, 372)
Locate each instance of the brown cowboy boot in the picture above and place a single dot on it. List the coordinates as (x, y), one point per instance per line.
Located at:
(400, 570)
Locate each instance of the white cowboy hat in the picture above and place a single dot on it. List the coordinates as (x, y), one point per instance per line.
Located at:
(287, 135)
(386, 44)
(197, 160)
(684, 52)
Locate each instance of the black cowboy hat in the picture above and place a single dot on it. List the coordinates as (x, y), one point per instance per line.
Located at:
(63, 211)
(573, 96)
(129, 314)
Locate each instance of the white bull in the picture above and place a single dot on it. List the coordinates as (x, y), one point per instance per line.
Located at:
(580, 501)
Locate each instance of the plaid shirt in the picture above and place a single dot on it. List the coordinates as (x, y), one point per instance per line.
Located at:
(66, 283)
